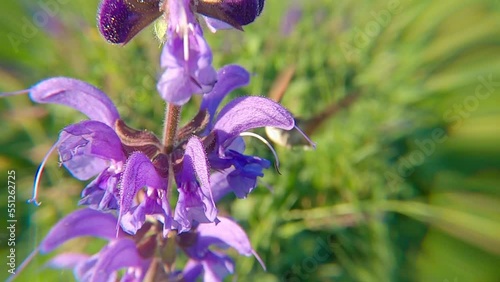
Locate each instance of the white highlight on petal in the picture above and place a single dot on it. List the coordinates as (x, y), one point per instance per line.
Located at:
(183, 27)
(115, 167)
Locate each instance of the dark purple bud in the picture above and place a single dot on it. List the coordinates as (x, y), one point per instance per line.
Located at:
(234, 12)
(120, 20)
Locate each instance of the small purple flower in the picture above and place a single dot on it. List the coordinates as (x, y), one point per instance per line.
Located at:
(186, 57)
(214, 265)
(143, 256)
(195, 196)
(120, 252)
(235, 171)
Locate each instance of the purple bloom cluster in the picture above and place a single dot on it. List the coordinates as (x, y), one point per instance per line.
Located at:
(133, 173)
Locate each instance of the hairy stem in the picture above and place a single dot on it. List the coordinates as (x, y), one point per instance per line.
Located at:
(172, 117)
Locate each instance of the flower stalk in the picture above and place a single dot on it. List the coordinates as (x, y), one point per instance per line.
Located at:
(172, 118)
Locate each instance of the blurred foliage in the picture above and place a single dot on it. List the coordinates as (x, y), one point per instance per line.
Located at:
(403, 185)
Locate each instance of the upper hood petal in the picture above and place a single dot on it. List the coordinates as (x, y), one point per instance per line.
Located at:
(225, 233)
(245, 113)
(78, 95)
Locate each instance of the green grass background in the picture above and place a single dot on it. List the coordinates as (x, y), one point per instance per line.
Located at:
(369, 204)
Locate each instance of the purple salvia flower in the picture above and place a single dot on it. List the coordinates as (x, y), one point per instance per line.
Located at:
(214, 265)
(120, 252)
(238, 116)
(124, 161)
(143, 256)
(235, 171)
(195, 196)
(230, 77)
(132, 170)
(140, 172)
(131, 167)
(186, 57)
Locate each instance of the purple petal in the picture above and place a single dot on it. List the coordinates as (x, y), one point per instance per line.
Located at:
(116, 255)
(220, 185)
(216, 266)
(84, 270)
(225, 233)
(88, 147)
(195, 200)
(195, 158)
(192, 270)
(175, 87)
(188, 73)
(180, 14)
(152, 205)
(139, 172)
(242, 176)
(67, 260)
(229, 78)
(137, 274)
(214, 24)
(102, 192)
(120, 20)
(78, 95)
(245, 113)
(85, 222)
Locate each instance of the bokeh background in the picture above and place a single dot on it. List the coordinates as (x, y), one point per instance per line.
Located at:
(404, 183)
